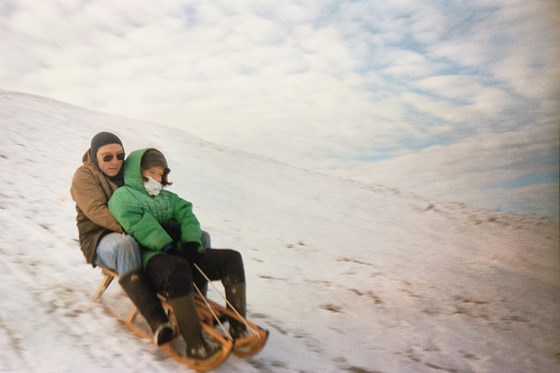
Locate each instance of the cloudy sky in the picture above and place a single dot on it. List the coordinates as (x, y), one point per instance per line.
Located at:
(456, 100)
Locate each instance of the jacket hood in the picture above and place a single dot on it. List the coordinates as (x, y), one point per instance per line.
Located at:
(132, 170)
(86, 159)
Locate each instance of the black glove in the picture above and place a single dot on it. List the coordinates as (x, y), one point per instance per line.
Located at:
(192, 251)
(194, 247)
(177, 252)
(172, 249)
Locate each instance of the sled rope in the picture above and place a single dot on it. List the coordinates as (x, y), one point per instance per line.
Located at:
(224, 298)
(212, 311)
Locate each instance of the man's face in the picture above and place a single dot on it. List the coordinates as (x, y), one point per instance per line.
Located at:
(108, 159)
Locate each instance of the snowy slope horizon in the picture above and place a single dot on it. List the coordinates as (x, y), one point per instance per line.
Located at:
(347, 276)
(351, 177)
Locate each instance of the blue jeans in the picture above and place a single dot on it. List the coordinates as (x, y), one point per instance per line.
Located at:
(205, 240)
(118, 252)
(121, 253)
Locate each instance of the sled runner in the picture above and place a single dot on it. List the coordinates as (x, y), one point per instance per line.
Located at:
(212, 317)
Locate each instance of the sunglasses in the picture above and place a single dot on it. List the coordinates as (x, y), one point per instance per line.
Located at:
(109, 157)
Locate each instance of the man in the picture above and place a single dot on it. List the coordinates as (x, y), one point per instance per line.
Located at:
(102, 239)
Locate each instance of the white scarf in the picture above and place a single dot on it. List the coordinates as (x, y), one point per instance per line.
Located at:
(153, 187)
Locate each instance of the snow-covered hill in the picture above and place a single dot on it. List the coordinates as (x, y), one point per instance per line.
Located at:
(347, 277)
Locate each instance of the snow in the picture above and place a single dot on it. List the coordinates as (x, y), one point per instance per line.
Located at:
(346, 276)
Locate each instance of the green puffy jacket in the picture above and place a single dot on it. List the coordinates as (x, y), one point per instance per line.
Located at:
(143, 216)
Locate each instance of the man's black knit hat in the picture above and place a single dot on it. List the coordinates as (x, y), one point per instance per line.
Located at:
(101, 139)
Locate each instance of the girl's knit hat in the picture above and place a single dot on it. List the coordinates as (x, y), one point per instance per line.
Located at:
(153, 158)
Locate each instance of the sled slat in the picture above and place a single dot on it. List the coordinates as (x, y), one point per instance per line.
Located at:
(108, 277)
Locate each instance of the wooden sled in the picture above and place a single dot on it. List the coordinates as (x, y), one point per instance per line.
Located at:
(211, 315)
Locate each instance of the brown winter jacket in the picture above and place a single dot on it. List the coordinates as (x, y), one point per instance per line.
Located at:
(91, 190)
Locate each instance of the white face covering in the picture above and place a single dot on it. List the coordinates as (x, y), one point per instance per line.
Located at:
(152, 186)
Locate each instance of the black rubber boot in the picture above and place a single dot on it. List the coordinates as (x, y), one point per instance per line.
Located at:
(236, 295)
(189, 324)
(140, 291)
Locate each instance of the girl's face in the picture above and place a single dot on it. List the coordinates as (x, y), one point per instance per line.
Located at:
(155, 173)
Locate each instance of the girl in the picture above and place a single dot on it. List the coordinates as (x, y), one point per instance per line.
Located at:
(170, 234)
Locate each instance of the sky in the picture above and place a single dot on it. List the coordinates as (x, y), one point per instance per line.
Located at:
(451, 99)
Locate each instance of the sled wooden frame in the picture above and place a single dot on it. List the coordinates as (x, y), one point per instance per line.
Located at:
(168, 348)
(207, 311)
